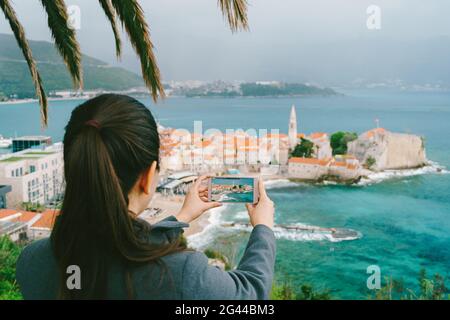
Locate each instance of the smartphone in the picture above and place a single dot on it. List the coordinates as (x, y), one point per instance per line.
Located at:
(233, 189)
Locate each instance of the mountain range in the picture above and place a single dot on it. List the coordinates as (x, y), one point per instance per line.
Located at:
(15, 77)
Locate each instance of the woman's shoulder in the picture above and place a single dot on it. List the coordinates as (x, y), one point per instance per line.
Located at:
(38, 250)
(35, 270)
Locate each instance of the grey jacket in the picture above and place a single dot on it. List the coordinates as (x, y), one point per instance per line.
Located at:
(188, 275)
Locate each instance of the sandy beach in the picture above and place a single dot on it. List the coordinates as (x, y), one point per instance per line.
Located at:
(171, 205)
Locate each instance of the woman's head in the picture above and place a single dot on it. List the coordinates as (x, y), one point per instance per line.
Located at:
(113, 138)
(111, 154)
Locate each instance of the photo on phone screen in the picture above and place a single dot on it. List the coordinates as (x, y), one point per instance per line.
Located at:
(232, 189)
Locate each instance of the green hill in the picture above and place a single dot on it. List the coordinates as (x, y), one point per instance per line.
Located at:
(15, 77)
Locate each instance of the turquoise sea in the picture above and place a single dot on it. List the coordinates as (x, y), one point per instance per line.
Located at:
(404, 221)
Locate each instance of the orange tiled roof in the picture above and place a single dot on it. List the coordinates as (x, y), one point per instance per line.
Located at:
(372, 132)
(276, 135)
(339, 164)
(7, 212)
(317, 135)
(47, 219)
(311, 161)
(26, 216)
(180, 133)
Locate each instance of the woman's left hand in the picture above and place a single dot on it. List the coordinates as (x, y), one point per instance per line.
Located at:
(196, 202)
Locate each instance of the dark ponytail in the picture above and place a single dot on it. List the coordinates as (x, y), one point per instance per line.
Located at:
(109, 142)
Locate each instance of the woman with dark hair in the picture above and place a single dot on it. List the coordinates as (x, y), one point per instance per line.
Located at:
(111, 162)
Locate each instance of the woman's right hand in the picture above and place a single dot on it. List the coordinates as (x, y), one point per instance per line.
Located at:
(263, 211)
(196, 201)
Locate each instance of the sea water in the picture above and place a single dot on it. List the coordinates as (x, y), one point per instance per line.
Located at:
(402, 218)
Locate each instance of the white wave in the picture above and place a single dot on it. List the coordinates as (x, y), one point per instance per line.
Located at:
(377, 177)
(279, 183)
(310, 233)
(241, 215)
(207, 235)
(311, 236)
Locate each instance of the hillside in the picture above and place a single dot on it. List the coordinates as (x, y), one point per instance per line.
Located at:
(15, 77)
(283, 89)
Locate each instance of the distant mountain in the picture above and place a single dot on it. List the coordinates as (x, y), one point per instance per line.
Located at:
(284, 89)
(15, 77)
(248, 89)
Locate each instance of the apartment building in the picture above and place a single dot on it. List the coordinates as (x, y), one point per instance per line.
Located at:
(35, 175)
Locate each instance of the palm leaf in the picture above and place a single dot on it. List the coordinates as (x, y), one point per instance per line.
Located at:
(236, 13)
(111, 15)
(132, 17)
(22, 42)
(65, 38)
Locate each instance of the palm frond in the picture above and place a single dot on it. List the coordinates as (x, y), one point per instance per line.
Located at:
(22, 42)
(65, 38)
(111, 15)
(236, 13)
(132, 17)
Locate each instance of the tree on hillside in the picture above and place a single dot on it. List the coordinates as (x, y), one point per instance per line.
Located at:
(9, 252)
(304, 149)
(339, 141)
(131, 16)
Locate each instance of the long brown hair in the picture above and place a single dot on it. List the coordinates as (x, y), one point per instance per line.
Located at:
(109, 142)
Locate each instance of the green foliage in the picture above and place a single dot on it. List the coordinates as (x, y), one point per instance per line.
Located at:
(282, 89)
(370, 162)
(15, 76)
(339, 141)
(214, 254)
(286, 291)
(304, 149)
(34, 207)
(429, 289)
(9, 253)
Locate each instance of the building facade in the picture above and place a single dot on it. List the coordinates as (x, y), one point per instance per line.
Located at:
(28, 142)
(35, 176)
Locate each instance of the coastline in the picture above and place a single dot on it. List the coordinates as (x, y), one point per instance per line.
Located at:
(170, 205)
(24, 101)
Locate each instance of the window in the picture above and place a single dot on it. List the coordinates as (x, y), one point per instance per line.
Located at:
(12, 173)
(21, 171)
(17, 172)
(32, 169)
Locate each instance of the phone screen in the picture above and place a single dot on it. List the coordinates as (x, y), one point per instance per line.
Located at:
(232, 189)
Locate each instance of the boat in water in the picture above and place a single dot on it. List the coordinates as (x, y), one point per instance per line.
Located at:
(5, 143)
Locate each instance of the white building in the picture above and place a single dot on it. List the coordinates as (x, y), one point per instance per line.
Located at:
(26, 225)
(35, 175)
(307, 168)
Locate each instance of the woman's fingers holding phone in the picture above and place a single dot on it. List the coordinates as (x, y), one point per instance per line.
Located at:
(263, 211)
(196, 201)
(262, 189)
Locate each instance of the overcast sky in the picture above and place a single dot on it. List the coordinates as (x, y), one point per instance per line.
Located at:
(323, 41)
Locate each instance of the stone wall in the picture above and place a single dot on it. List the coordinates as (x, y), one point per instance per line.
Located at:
(389, 150)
